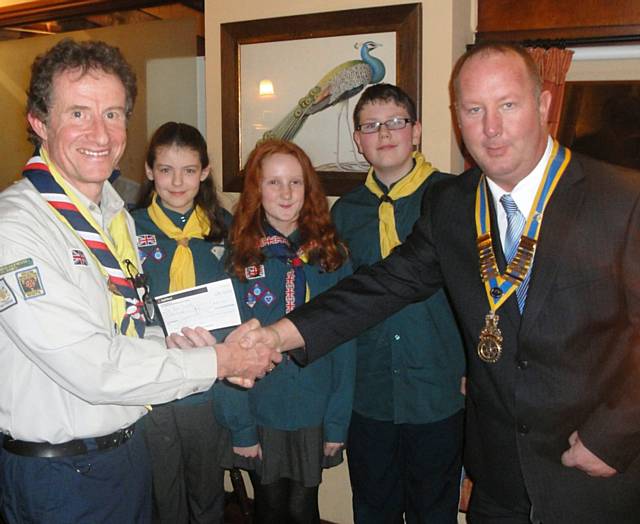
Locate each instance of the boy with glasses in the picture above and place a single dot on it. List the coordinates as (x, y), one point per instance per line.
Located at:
(405, 438)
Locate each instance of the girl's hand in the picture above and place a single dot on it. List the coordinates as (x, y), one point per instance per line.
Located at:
(331, 448)
(249, 451)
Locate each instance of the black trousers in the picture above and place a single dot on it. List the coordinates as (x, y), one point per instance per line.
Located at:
(405, 469)
(484, 510)
(188, 482)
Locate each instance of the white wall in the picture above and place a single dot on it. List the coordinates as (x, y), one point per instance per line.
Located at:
(175, 92)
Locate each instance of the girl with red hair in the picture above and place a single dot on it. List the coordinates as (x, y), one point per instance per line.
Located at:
(284, 250)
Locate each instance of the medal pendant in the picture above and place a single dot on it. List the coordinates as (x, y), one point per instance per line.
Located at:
(490, 343)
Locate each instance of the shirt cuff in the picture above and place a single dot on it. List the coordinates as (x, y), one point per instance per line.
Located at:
(245, 437)
(200, 369)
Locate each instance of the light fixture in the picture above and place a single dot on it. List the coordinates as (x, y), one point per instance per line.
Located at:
(266, 88)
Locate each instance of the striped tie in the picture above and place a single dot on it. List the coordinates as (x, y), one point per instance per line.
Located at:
(515, 226)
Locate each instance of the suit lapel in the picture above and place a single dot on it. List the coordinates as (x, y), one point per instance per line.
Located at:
(558, 224)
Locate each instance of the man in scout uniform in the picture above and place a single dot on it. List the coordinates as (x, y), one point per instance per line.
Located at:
(538, 249)
(405, 437)
(76, 371)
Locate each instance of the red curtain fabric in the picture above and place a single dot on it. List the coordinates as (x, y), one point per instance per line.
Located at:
(553, 65)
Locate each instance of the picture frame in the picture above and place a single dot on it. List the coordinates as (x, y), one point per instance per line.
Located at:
(403, 23)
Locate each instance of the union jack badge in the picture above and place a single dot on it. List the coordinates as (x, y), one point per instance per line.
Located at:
(147, 240)
(78, 258)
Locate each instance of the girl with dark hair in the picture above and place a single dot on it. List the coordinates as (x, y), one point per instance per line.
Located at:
(294, 421)
(181, 230)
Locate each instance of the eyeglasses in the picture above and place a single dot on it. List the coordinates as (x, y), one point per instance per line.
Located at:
(140, 281)
(392, 125)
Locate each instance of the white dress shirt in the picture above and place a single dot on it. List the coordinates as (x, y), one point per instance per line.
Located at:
(523, 193)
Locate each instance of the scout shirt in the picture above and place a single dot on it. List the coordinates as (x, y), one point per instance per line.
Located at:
(290, 397)
(66, 372)
(409, 366)
(156, 252)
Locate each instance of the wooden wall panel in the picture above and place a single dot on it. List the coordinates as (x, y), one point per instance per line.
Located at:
(597, 20)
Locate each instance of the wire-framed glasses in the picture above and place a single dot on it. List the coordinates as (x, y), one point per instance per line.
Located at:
(393, 124)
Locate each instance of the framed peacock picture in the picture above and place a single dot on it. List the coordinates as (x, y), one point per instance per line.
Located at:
(299, 77)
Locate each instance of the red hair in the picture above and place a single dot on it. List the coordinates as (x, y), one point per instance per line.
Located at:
(318, 237)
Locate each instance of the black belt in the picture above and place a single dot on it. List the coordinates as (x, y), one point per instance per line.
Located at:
(67, 449)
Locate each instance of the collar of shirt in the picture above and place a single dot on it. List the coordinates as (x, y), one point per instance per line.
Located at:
(178, 219)
(523, 193)
(110, 205)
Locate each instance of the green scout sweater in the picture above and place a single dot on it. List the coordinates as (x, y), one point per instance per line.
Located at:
(156, 253)
(409, 366)
(290, 397)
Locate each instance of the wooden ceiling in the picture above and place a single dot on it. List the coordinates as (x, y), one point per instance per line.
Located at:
(59, 16)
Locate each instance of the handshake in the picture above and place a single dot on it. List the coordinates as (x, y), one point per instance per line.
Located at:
(249, 352)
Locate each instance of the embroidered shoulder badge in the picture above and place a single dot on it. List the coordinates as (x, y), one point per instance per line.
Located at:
(268, 298)
(30, 283)
(14, 266)
(253, 272)
(259, 293)
(78, 258)
(157, 254)
(7, 298)
(218, 251)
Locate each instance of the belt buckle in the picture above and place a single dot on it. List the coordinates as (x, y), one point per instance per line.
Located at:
(127, 433)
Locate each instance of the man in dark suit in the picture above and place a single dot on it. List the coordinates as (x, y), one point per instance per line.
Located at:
(553, 389)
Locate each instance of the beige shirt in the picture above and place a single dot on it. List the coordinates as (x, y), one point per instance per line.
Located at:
(65, 372)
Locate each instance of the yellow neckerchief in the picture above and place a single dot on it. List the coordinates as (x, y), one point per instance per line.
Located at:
(403, 188)
(121, 247)
(182, 273)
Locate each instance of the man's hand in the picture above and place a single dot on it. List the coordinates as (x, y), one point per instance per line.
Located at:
(241, 365)
(191, 338)
(331, 448)
(578, 456)
(281, 336)
(262, 352)
(238, 333)
(254, 451)
(262, 336)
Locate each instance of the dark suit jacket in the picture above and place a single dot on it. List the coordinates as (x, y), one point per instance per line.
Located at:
(571, 362)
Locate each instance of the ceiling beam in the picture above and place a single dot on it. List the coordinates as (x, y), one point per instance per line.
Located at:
(44, 10)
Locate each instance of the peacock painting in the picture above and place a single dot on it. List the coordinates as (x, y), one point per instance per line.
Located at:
(338, 85)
